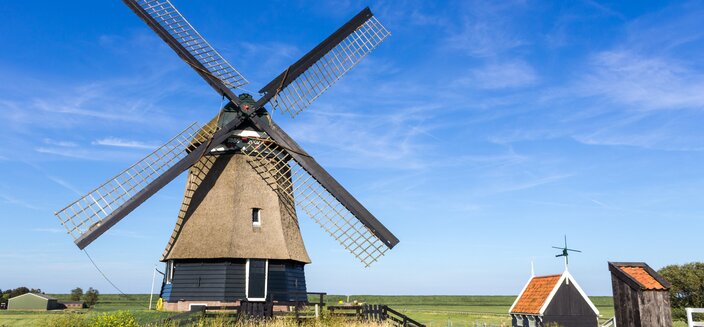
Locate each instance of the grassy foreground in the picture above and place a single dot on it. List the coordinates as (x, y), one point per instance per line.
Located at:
(456, 311)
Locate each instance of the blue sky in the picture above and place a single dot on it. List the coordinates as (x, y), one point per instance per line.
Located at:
(479, 133)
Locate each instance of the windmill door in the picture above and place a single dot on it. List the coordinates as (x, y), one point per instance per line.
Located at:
(257, 271)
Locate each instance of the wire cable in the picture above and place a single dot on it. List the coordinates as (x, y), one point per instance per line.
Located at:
(101, 272)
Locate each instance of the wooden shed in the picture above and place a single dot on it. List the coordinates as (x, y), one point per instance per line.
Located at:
(641, 295)
(553, 299)
(33, 301)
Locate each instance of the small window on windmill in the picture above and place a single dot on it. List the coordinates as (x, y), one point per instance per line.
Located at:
(256, 217)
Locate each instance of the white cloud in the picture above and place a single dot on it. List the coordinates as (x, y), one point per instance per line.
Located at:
(646, 82)
(15, 201)
(664, 139)
(73, 153)
(487, 30)
(122, 143)
(65, 184)
(375, 140)
(87, 153)
(60, 143)
(492, 76)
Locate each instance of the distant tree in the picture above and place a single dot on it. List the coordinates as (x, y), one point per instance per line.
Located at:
(687, 281)
(91, 296)
(76, 294)
(36, 291)
(18, 291)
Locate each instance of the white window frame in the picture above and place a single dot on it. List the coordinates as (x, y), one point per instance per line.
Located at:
(266, 281)
(258, 212)
(169, 271)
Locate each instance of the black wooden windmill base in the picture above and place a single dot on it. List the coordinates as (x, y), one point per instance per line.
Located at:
(236, 238)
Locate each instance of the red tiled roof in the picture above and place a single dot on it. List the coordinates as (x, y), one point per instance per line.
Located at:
(535, 294)
(643, 277)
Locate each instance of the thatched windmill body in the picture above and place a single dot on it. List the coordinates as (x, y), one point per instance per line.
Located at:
(237, 235)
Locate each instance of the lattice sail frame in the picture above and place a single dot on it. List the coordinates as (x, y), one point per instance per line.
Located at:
(180, 29)
(88, 211)
(296, 96)
(294, 184)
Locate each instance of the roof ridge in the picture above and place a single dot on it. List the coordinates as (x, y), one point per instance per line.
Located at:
(545, 276)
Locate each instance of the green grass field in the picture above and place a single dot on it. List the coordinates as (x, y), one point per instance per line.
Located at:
(138, 304)
(456, 311)
(460, 310)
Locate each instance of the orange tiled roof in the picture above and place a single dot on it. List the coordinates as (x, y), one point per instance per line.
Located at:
(535, 294)
(643, 277)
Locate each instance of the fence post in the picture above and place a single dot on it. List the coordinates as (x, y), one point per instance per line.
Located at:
(317, 310)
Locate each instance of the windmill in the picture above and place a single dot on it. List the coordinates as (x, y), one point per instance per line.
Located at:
(237, 235)
(565, 252)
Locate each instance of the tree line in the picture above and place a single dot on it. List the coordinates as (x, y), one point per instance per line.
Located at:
(10, 293)
(90, 297)
(687, 286)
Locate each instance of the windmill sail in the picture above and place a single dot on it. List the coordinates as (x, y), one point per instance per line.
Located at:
(293, 183)
(294, 174)
(93, 208)
(178, 33)
(303, 82)
(94, 213)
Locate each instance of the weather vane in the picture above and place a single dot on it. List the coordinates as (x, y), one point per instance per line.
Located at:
(565, 252)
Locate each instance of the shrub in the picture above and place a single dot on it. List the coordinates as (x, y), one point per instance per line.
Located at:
(64, 320)
(687, 284)
(679, 314)
(114, 319)
(91, 297)
(76, 294)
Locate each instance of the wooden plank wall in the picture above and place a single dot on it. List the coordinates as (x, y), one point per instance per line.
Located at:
(635, 308)
(625, 304)
(214, 281)
(655, 308)
(287, 281)
(569, 308)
